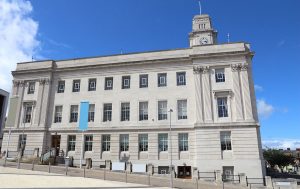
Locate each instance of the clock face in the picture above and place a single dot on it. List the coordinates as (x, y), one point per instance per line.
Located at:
(203, 41)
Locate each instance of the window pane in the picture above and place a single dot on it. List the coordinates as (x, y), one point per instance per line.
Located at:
(61, 87)
(74, 113)
(162, 79)
(108, 83)
(144, 81)
(107, 112)
(31, 87)
(124, 142)
(92, 84)
(162, 110)
(88, 145)
(181, 78)
(163, 142)
(220, 75)
(183, 139)
(143, 142)
(91, 115)
(143, 111)
(125, 82)
(71, 142)
(105, 142)
(58, 114)
(225, 137)
(222, 107)
(182, 109)
(125, 111)
(76, 85)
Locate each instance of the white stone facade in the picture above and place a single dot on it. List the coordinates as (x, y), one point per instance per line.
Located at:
(204, 126)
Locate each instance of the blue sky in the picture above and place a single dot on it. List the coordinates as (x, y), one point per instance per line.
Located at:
(83, 28)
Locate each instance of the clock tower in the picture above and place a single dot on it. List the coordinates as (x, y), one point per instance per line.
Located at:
(203, 32)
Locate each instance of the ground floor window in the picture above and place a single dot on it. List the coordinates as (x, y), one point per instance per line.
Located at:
(71, 142)
(88, 143)
(163, 170)
(22, 141)
(228, 173)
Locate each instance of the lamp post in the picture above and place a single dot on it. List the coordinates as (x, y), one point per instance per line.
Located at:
(171, 166)
(22, 146)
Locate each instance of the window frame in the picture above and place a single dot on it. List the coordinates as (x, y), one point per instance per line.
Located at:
(92, 88)
(91, 114)
(106, 87)
(159, 81)
(162, 114)
(106, 140)
(225, 141)
(163, 142)
(183, 142)
(220, 72)
(124, 142)
(126, 78)
(73, 114)
(71, 143)
(22, 140)
(144, 77)
(88, 143)
(222, 107)
(76, 86)
(181, 110)
(125, 111)
(31, 87)
(59, 84)
(27, 117)
(178, 76)
(143, 112)
(143, 142)
(57, 116)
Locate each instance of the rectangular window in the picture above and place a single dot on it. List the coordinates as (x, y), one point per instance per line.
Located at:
(162, 110)
(143, 111)
(22, 141)
(92, 84)
(71, 142)
(58, 114)
(144, 81)
(163, 170)
(143, 142)
(222, 107)
(61, 87)
(220, 75)
(182, 109)
(125, 82)
(125, 111)
(105, 143)
(107, 112)
(163, 142)
(91, 115)
(76, 85)
(88, 143)
(108, 83)
(124, 142)
(162, 79)
(74, 113)
(31, 87)
(28, 112)
(225, 140)
(181, 78)
(228, 173)
(183, 139)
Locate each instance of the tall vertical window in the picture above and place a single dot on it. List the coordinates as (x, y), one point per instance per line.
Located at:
(124, 142)
(92, 84)
(222, 107)
(181, 78)
(88, 143)
(61, 87)
(144, 81)
(143, 142)
(58, 114)
(76, 85)
(161, 79)
(107, 112)
(162, 110)
(105, 142)
(220, 75)
(125, 111)
(225, 137)
(125, 82)
(143, 111)
(91, 115)
(22, 141)
(31, 87)
(74, 113)
(108, 83)
(163, 142)
(182, 109)
(71, 142)
(183, 139)
(28, 112)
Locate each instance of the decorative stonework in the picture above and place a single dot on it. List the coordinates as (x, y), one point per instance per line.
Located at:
(44, 81)
(16, 83)
(238, 67)
(244, 67)
(200, 69)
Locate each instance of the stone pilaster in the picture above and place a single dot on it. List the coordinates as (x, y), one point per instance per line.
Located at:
(198, 94)
(114, 146)
(21, 90)
(44, 102)
(246, 93)
(207, 101)
(238, 115)
(40, 95)
(153, 146)
(133, 146)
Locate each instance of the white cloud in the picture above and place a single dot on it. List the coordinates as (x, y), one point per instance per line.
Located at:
(258, 88)
(281, 143)
(18, 37)
(264, 109)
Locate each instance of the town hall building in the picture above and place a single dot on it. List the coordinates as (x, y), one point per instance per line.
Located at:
(205, 93)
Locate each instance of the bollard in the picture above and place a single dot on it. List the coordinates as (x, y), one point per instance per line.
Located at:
(49, 167)
(4, 165)
(104, 175)
(126, 176)
(18, 165)
(83, 171)
(149, 179)
(66, 170)
(32, 168)
(197, 184)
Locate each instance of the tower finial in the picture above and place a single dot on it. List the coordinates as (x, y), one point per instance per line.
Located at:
(200, 7)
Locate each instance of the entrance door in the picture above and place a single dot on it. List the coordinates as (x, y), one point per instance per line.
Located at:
(184, 172)
(56, 144)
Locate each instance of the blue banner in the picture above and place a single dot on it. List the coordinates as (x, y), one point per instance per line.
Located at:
(83, 116)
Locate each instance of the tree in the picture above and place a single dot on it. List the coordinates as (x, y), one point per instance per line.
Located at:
(277, 157)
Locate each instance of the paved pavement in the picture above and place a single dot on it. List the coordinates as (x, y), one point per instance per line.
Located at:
(19, 178)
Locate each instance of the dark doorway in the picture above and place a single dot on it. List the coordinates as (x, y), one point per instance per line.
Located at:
(184, 172)
(55, 144)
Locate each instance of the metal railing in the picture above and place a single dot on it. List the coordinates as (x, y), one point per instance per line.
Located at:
(231, 178)
(255, 181)
(207, 175)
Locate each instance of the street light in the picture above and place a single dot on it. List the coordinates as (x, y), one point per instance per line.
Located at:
(171, 167)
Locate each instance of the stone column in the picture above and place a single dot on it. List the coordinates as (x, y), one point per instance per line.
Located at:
(44, 102)
(20, 110)
(246, 93)
(207, 94)
(238, 115)
(115, 146)
(39, 105)
(198, 94)
(153, 146)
